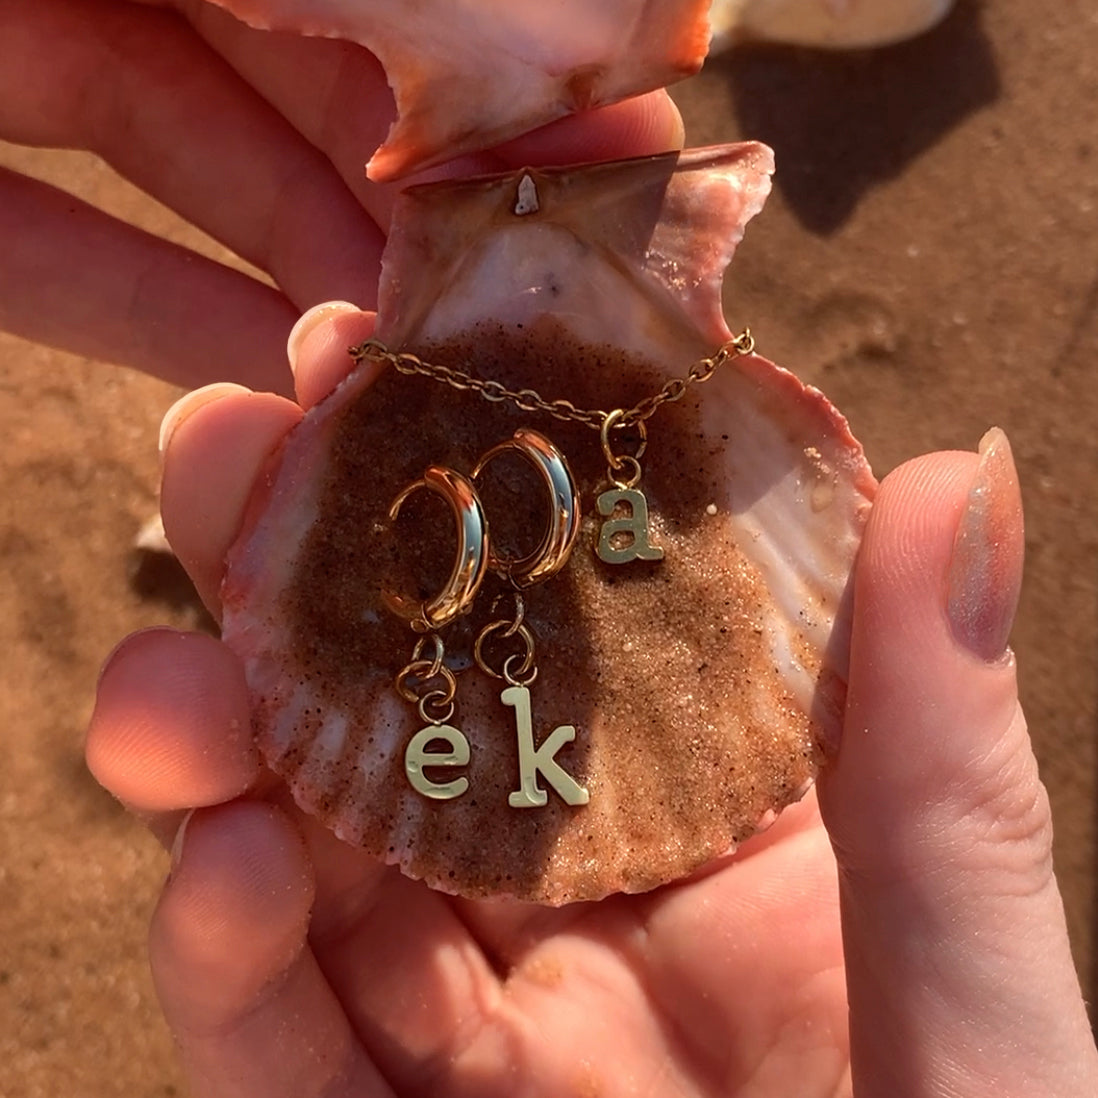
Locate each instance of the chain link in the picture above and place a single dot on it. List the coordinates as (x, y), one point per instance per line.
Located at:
(527, 400)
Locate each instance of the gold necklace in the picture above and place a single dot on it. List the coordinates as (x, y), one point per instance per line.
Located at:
(622, 537)
(425, 681)
(528, 400)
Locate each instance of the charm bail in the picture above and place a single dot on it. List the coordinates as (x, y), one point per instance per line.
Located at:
(624, 538)
(436, 708)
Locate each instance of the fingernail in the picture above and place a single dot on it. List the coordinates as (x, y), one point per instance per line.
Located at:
(985, 570)
(187, 405)
(677, 135)
(309, 322)
(176, 852)
(124, 643)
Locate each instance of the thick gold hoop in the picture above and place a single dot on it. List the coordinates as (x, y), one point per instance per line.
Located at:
(456, 597)
(564, 518)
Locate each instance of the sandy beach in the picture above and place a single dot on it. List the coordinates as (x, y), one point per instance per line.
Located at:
(929, 258)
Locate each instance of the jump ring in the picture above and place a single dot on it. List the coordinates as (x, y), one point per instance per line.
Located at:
(522, 677)
(633, 479)
(440, 698)
(612, 420)
(436, 663)
(523, 631)
(418, 670)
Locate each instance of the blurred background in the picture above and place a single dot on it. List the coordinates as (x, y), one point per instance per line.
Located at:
(929, 259)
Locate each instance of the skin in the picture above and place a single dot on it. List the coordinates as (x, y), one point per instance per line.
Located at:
(259, 140)
(290, 964)
(899, 935)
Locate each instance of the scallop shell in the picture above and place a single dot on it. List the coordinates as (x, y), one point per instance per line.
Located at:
(832, 24)
(704, 688)
(469, 74)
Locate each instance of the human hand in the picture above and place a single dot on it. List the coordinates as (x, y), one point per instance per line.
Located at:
(260, 140)
(288, 963)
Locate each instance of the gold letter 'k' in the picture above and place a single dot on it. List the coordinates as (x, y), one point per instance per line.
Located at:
(532, 759)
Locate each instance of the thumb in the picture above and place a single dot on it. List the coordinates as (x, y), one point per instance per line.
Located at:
(959, 970)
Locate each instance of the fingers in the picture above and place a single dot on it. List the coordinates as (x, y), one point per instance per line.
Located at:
(215, 442)
(140, 88)
(318, 348)
(959, 971)
(249, 1008)
(124, 296)
(416, 985)
(171, 730)
(267, 159)
(641, 126)
(171, 727)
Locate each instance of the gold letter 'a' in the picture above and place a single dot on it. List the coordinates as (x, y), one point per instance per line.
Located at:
(634, 527)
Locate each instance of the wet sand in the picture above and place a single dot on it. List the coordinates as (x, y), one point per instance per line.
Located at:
(928, 258)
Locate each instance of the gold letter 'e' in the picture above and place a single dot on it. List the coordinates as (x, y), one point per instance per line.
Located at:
(417, 758)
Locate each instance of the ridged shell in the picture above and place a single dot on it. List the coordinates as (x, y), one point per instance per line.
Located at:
(705, 687)
(469, 74)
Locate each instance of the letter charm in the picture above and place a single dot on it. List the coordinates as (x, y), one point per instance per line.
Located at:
(417, 758)
(634, 526)
(532, 760)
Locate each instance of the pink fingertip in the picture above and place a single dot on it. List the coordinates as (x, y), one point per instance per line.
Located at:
(171, 726)
(235, 912)
(308, 323)
(322, 353)
(189, 403)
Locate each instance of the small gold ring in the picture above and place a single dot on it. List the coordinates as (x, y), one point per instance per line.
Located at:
(609, 422)
(443, 700)
(527, 656)
(633, 479)
(422, 671)
(524, 676)
(435, 663)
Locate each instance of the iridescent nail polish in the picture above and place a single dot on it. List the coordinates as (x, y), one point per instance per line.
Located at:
(985, 571)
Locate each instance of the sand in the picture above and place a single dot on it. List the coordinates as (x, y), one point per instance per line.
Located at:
(929, 259)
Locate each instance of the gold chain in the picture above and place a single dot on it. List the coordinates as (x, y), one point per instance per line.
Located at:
(529, 401)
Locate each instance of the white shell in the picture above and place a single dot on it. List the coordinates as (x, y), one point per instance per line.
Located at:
(836, 24)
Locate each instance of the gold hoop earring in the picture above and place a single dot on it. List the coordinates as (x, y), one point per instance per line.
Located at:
(560, 534)
(457, 595)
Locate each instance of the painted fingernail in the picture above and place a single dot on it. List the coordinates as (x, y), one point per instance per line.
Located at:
(985, 570)
(311, 320)
(187, 405)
